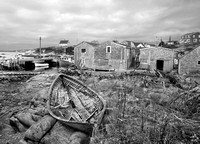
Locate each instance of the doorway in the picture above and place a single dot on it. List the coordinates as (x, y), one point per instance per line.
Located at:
(160, 65)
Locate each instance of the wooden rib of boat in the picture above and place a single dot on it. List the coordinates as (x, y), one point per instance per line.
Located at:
(74, 104)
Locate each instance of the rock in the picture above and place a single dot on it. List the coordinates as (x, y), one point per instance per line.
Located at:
(79, 138)
(41, 111)
(36, 117)
(25, 118)
(6, 128)
(159, 98)
(23, 142)
(188, 80)
(16, 125)
(59, 134)
(39, 129)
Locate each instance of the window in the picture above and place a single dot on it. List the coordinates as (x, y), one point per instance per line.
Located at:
(188, 36)
(198, 62)
(199, 36)
(108, 49)
(194, 40)
(83, 50)
(193, 36)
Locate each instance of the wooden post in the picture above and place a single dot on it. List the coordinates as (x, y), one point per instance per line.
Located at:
(149, 60)
(40, 46)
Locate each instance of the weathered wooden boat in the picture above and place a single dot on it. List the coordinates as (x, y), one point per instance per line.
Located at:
(74, 104)
(41, 65)
(65, 63)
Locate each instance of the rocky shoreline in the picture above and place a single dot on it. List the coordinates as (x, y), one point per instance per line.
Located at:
(25, 120)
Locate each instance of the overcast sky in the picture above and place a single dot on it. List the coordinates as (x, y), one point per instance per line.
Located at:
(22, 22)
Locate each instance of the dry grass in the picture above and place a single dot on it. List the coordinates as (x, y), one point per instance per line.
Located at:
(148, 113)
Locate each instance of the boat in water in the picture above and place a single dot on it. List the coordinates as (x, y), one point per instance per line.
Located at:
(74, 104)
(40, 63)
(66, 61)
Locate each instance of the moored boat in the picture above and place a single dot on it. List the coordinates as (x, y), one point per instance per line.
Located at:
(74, 104)
(41, 65)
(66, 61)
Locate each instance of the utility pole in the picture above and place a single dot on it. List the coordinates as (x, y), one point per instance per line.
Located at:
(40, 46)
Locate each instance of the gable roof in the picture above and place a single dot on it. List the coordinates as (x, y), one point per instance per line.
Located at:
(97, 44)
(64, 42)
(133, 44)
(119, 43)
(164, 48)
(189, 51)
(138, 43)
(191, 33)
(90, 43)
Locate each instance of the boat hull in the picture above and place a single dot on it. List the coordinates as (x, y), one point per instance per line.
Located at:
(74, 104)
(41, 65)
(63, 63)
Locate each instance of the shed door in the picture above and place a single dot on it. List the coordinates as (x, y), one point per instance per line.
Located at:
(168, 66)
(160, 65)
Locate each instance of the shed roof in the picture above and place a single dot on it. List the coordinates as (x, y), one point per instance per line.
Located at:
(90, 43)
(189, 51)
(64, 42)
(157, 48)
(191, 33)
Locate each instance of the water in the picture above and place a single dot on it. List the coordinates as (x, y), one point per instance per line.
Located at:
(13, 55)
(9, 55)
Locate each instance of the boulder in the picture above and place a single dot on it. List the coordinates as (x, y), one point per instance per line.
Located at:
(25, 118)
(16, 125)
(39, 129)
(63, 134)
(41, 111)
(79, 138)
(59, 134)
(159, 98)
